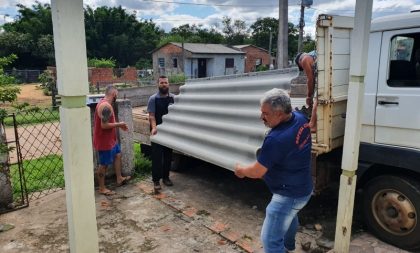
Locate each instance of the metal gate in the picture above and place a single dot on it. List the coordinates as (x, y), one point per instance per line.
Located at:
(35, 163)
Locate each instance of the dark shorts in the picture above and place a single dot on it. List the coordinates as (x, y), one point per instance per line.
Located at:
(106, 157)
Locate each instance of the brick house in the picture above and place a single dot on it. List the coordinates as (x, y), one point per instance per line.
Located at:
(104, 76)
(199, 60)
(255, 56)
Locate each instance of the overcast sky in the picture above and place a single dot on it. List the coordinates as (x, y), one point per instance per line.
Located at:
(170, 13)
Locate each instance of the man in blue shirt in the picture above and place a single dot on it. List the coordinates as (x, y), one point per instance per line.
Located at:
(284, 163)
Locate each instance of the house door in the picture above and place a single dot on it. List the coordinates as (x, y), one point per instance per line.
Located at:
(202, 67)
(397, 120)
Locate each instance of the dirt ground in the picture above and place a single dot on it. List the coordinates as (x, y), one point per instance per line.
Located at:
(207, 210)
(31, 94)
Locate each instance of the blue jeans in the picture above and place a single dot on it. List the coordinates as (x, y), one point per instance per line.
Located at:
(281, 223)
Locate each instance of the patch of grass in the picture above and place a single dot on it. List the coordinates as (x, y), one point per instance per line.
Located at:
(33, 117)
(48, 172)
(142, 165)
(40, 174)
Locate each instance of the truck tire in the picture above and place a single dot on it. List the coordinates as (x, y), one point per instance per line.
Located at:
(391, 210)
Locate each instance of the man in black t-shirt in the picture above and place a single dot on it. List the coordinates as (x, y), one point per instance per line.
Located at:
(161, 156)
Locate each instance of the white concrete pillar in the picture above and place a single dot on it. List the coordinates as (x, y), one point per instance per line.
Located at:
(358, 62)
(72, 81)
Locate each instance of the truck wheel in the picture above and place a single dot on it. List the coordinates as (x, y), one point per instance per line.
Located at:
(391, 210)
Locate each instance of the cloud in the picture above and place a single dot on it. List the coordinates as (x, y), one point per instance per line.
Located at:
(167, 16)
(5, 18)
(13, 3)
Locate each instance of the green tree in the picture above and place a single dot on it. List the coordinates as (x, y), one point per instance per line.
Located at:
(112, 32)
(195, 34)
(29, 36)
(308, 44)
(261, 35)
(261, 32)
(236, 31)
(293, 40)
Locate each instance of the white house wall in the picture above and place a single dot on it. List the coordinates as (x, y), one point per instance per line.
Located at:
(215, 64)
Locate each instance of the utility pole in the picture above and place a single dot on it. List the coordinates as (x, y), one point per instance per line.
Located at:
(183, 57)
(301, 25)
(303, 4)
(349, 164)
(282, 40)
(270, 48)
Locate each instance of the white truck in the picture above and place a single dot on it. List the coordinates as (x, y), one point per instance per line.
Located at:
(217, 120)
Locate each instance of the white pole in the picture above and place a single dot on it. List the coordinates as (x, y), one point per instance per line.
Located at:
(72, 80)
(358, 62)
(282, 39)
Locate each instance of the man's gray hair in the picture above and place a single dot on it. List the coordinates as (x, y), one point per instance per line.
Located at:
(278, 99)
(109, 89)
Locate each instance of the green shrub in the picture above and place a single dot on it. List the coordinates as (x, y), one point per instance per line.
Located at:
(5, 79)
(102, 63)
(47, 82)
(8, 93)
(179, 78)
(20, 107)
(262, 68)
(142, 165)
(3, 114)
(144, 64)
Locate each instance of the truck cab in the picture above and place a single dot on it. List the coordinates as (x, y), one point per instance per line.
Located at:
(389, 153)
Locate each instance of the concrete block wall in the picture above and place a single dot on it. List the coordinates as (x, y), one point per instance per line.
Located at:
(125, 114)
(105, 76)
(6, 191)
(123, 111)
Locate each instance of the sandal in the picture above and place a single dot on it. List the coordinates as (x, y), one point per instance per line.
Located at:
(107, 193)
(124, 181)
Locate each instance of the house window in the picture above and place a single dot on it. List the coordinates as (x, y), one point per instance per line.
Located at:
(161, 62)
(404, 64)
(229, 63)
(258, 62)
(175, 62)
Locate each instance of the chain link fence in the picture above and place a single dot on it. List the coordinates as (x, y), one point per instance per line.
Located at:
(24, 75)
(35, 159)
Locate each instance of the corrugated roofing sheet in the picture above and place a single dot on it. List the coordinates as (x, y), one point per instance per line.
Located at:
(218, 120)
(200, 48)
